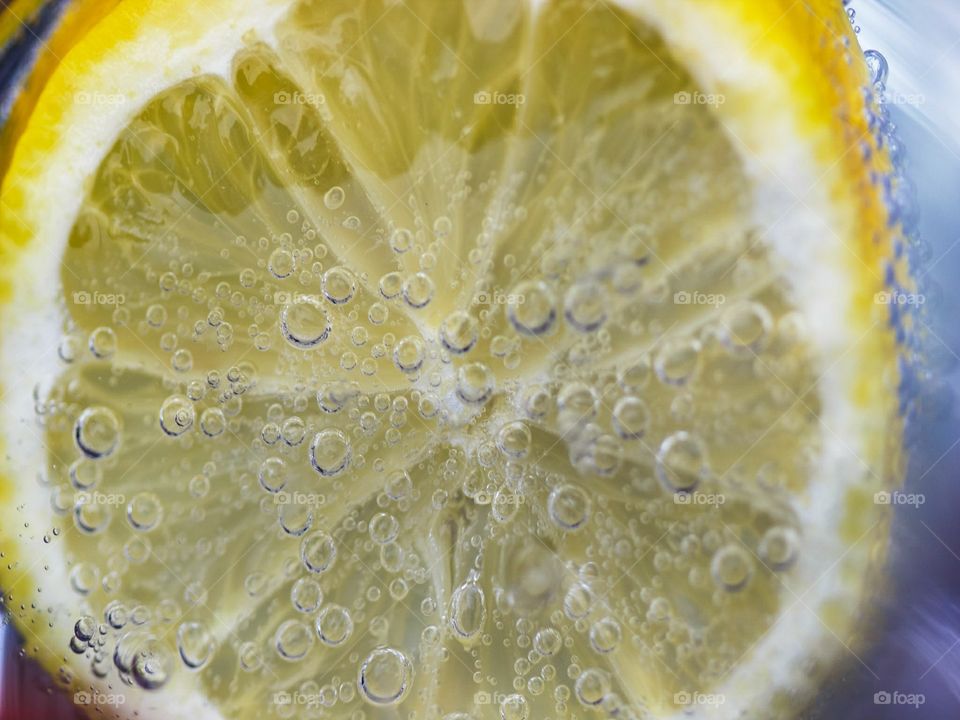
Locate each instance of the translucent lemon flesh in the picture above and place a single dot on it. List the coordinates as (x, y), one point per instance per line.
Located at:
(429, 363)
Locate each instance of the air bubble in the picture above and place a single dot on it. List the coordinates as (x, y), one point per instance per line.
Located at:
(282, 263)
(318, 552)
(334, 625)
(731, 568)
(144, 511)
(306, 595)
(468, 610)
(418, 290)
(339, 285)
(212, 422)
(334, 198)
(176, 415)
(681, 463)
(305, 324)
(97, 432)
(630, 417)
(584, 307)
(195, 644)
(293, 640)
(409, 354)
(330, 452)
(531, 308)
(385, 676)
(778, 547)
(401, 240)
(475, 383)
(459, 332)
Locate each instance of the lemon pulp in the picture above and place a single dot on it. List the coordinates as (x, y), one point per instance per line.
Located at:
(428, 358)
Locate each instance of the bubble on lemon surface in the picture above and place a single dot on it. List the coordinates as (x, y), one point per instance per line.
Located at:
(339, 285)
(293, 640)
(281, 263)
(731, 567)
(383, 528)
(778, 547)
(418, 290)
(681, 462)
(334, 625)
(306, 595)
(631, 417)
(468, 610)
(330, 452)
(514, 707)
(97, 432)
(532, 308)
(514, 440)
(409, 354)
(475, 383)
(385, 676)
(459, 332)
(273, 474)
(144, 511)
(177, 415)
(592, 686)
(318, 551)
(678, 360)
(334, 198)
(305, 323)
(195, 644)
(568, 507)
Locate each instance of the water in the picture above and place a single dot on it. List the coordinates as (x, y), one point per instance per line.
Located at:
(914, 651)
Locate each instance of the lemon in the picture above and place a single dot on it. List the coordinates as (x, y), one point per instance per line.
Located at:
(475, 359)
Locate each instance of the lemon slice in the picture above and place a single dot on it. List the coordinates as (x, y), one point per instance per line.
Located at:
(475, 359)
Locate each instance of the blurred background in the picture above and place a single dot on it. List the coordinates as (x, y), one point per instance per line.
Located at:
(915, 653)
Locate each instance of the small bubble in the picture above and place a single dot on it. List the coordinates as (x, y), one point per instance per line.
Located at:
(401, 240)
(731, 567)
(678, 361)
(273, 474)
(459, 332)
(409, 353)
(568, 507)
(514, 707)
(334, 625)
(334, 198)
(293, 640)
(592, 686)
(385, 676)
(585, 307)
(339, 285)
(97, 432)
(418, 290)
(630, 417)
(384, 528)
(468, 610)
(212, 422)
(144, 511)
(176, 415)
(330, 452)
(195, 644)
(103, 343)
(282, 263)
(531, 308)
(306, 595)
(514, 440)
(475, 383)
(778, 547)
(681, 463)
(305, 324)
(318, 551)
